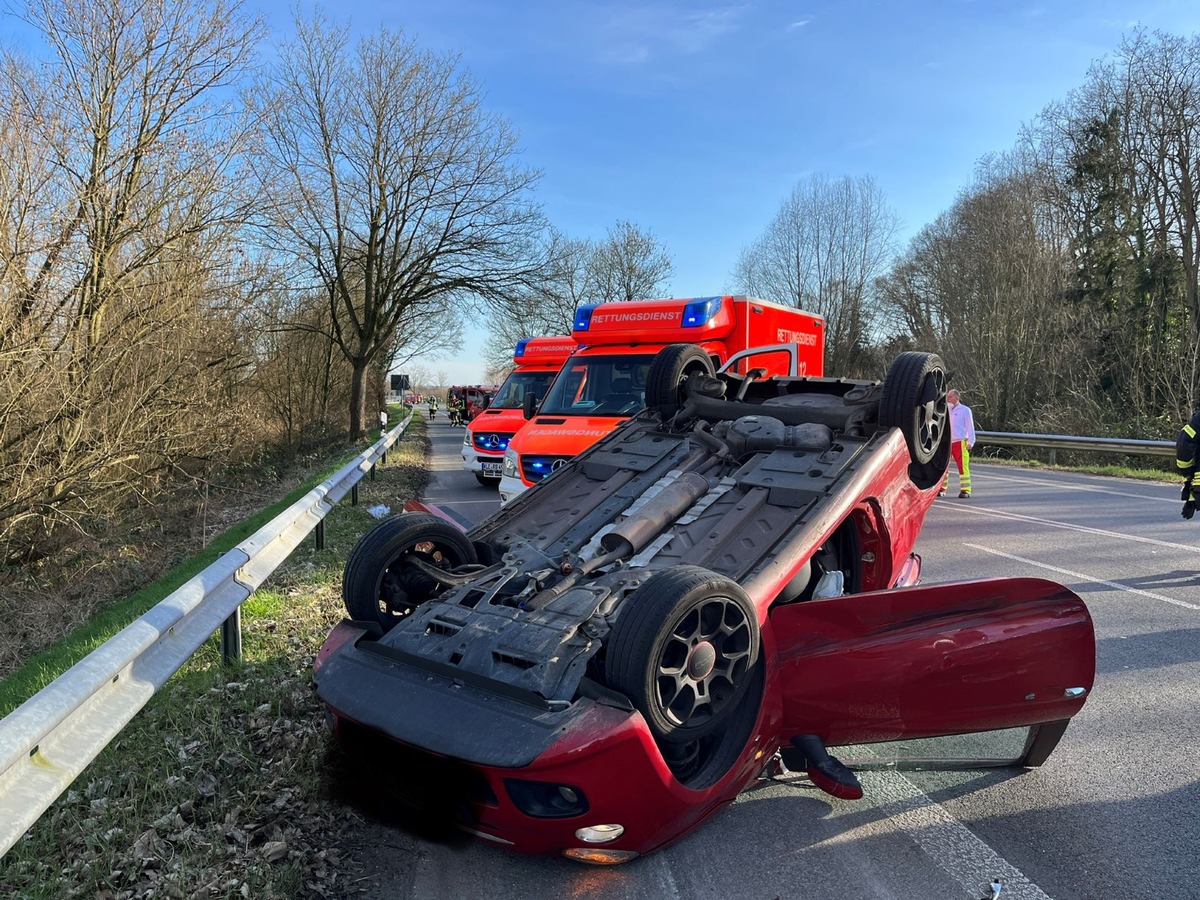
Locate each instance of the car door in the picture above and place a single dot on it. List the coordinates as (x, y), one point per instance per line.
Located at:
(998, 656)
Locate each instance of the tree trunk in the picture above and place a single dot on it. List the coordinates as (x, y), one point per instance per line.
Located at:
(358, 398)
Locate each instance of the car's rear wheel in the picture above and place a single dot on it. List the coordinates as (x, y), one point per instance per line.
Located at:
(381, 583)
(682, 650)
(671, 367)
(914, 400)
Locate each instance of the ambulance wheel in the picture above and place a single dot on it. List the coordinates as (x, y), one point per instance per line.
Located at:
(672, 366)
(914, 400)
(487, 482)
(683, 651)
(380, 582)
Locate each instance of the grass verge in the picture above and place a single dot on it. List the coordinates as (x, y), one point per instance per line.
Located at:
(217, 788)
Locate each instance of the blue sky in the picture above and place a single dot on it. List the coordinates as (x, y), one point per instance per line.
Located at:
(696, 119)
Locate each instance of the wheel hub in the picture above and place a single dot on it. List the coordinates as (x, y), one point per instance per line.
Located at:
(701, 661)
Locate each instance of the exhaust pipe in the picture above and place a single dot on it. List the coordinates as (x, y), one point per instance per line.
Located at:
(639, 530)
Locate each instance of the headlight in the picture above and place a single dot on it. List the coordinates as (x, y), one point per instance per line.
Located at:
(467, 438)
(512, 464)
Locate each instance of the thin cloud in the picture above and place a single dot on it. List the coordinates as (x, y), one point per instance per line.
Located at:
(636, 36)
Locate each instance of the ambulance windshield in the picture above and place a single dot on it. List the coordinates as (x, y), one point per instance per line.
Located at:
(599, 386)
(517, 385)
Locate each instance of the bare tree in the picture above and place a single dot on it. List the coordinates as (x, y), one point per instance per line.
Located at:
(984, 285)
(119, 215)
(629, 264)
(418, 377)
(392, 185)
(422, 331)
(548, 305)
(822, 252)
(304, 386)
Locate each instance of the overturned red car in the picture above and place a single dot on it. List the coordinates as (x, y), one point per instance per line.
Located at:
(725, 580)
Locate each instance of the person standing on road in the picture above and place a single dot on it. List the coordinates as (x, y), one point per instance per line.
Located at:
(1185, 462)
(962, 439)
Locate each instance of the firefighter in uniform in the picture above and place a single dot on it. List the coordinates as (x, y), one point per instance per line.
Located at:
(1185, 462)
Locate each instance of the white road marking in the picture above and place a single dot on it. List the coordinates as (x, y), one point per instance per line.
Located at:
(955, 848)
(1088, 578)
(999, 514)
(1060, 486)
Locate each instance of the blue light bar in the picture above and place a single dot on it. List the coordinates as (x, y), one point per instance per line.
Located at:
(520, 350)
(699, 311)
(583, 318)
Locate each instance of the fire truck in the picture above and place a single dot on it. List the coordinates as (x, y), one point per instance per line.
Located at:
(603, 383)
(536, 360)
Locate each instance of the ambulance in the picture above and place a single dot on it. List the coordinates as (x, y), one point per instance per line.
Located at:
(604, 382)
(536, 360)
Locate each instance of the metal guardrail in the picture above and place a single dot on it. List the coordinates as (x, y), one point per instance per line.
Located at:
(1054, 442)
(47, 741)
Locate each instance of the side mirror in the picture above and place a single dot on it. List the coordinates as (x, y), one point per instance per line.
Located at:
(529, 404)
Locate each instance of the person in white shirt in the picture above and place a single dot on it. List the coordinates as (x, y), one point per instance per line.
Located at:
(962, 439)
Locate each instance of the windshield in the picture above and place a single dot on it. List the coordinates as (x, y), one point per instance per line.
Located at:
(599, 386)
(517, 385)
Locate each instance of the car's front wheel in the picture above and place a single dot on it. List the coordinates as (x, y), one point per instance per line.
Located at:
(682, 650)
(382, 581)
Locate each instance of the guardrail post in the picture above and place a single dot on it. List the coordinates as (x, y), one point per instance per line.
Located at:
(1052, 457)
(372, 473)
(320, 533)
(231, 638)
(354, 495)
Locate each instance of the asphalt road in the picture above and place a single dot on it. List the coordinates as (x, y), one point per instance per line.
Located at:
(1110, 815)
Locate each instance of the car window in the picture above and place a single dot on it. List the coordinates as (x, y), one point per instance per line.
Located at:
(974, 750)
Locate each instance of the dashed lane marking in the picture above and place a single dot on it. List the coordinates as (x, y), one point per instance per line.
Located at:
(1112, 584)
(999, 514)
(1092, 489)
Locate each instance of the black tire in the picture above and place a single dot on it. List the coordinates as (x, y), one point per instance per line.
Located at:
(672, 366)
(487, 482)
(914, 400)
(682, 650)
(378, 583)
